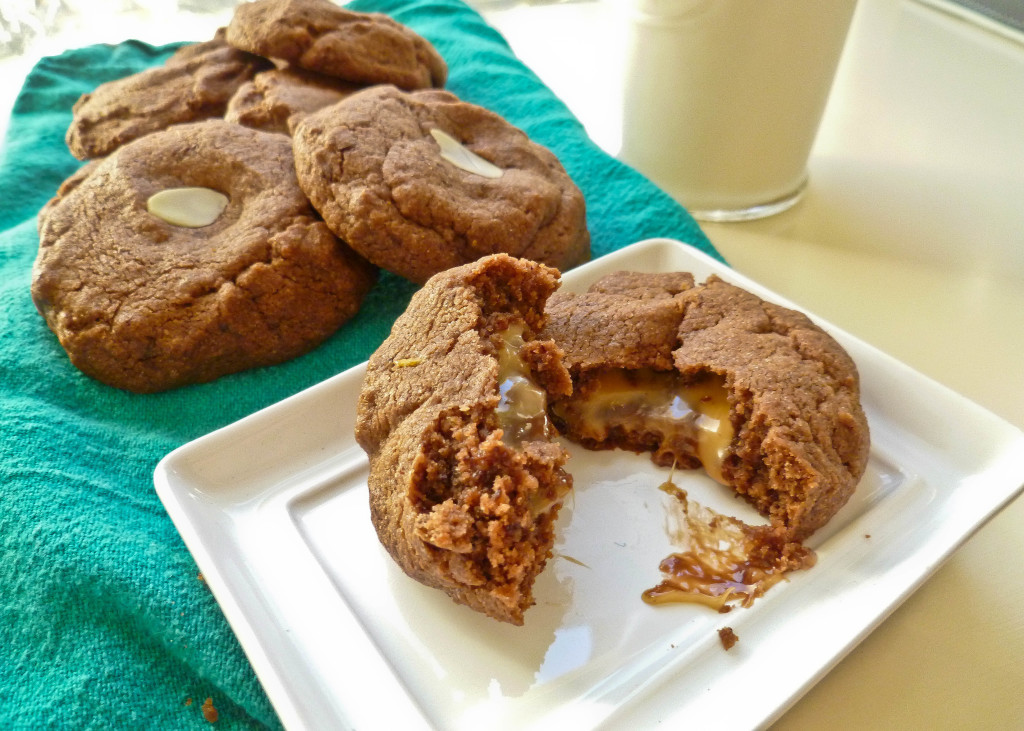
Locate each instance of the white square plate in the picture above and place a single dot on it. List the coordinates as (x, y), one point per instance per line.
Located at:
(274, 509)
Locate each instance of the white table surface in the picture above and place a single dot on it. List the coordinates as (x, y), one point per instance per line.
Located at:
(911, 236)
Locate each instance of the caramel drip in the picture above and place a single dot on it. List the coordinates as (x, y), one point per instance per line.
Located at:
(692, 577)
(721, 563)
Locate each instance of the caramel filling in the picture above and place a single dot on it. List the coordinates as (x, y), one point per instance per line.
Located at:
(523, 411)
(523, 407)
(689, 417)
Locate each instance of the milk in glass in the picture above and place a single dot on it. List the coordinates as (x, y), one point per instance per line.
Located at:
(723, 98)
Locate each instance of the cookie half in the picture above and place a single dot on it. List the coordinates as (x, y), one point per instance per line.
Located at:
(418, 182)
(194, 84)
(712, 375)
(317, 35)
(188, 254)
(465, 481)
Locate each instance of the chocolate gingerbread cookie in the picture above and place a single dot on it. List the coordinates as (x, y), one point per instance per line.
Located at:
(465, 480)
(711, 374)
(188, 254)
(194, 84)
(317, 35)
(274, 100)
(418, 182)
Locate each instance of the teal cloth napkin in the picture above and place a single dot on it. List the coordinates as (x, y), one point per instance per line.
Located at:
(104, 621)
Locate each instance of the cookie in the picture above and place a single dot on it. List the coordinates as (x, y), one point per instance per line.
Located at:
(317, 35)
(274, 100)
(465, 481)
(418, 182)
(146, 295)
(194, 84)
(712, 375)
(69, 184)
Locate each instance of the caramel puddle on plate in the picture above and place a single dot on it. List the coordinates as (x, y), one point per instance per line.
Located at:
(723, 561)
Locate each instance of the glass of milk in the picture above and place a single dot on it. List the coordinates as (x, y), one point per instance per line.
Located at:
(723, 98)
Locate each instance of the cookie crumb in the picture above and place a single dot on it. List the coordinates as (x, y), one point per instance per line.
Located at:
(209, 712)
(728, 637)
(188, 702)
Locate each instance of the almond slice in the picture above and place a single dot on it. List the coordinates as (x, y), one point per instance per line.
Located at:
(188, 207)
(462, 157)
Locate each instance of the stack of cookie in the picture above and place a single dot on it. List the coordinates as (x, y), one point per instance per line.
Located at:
(238, 199)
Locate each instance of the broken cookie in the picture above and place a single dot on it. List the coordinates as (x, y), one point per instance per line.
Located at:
(465, 478)
(711, 375)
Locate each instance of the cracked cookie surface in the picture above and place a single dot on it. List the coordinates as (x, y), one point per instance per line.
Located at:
(275, 99)
(194, 84)
(145, 305)
(317, 35)
(374, 167)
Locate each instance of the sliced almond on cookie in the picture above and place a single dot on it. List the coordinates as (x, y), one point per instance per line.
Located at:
(462, 157)
(187, 207)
